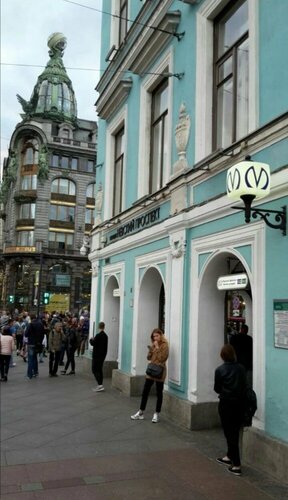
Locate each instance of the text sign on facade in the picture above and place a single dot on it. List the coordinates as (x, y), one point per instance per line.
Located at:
(63, 279)
(232, 282)
(20, 249)
(281, 323)
(136, 224)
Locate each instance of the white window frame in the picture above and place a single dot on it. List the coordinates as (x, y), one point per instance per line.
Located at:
(204, 73)
(119, 121)
(165, 65)
(114, 27)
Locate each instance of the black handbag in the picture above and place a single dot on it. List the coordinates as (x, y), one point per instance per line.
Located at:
(154, 370)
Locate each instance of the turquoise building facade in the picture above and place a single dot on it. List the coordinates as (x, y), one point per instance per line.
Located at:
(191, 88)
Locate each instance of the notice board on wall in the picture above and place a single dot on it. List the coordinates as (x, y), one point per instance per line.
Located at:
(280, 307)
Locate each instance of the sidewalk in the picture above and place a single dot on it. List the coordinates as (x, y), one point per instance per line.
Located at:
(60, 440)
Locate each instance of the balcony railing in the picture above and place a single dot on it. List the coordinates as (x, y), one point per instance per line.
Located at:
(73, 142)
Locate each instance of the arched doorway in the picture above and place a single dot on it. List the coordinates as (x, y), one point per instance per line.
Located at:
(111, 315)
(151, 313)
(212, 319)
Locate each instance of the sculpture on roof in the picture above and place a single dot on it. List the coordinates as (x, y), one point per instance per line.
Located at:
(57, 43)
(9, 178)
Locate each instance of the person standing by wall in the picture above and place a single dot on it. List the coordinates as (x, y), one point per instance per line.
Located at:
(56, 337)
(6, 348)
(230, 384)
(100, 346)
(243, 347)
(158, 354)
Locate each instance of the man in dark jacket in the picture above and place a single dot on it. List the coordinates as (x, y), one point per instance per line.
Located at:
(100, 346)
(230, 384)
(243, 346)
(35, 335)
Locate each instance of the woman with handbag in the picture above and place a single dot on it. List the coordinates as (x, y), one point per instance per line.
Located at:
(156, 372)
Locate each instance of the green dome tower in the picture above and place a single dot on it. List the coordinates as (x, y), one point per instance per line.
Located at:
(53, 95)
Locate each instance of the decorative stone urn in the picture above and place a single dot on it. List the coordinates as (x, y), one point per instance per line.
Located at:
(182, 132)
(98, 205)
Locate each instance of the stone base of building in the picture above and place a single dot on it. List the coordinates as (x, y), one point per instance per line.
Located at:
(130, 385)
(193, 416)
(108, 367)
(265, 453)
(186, 414)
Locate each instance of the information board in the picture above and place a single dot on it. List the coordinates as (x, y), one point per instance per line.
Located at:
(281, 323)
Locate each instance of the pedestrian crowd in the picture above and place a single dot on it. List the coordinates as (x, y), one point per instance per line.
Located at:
(51, 335)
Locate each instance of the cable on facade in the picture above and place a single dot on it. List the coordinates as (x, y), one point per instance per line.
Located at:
(177, 35)
(168, 75)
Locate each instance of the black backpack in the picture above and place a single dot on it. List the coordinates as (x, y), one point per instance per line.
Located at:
(250, 405)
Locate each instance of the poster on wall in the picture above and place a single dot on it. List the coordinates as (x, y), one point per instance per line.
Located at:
(281, 323)
(59, 302)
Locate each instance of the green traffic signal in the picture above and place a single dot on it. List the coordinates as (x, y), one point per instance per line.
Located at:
(46, 298)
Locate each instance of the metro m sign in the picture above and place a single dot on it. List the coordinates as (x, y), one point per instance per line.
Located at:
(248, 178)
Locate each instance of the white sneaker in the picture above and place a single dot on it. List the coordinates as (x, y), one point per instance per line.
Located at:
(99, 388)
(138, 416)
(156, 418)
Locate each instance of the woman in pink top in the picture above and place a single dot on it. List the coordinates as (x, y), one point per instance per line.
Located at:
(6, 347)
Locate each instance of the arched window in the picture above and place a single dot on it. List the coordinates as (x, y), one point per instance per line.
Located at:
(29, 162)
(61, 185)
(30, 152)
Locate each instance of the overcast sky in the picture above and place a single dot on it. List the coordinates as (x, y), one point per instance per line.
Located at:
(25, 28)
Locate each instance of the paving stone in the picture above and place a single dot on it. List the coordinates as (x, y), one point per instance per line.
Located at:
(61, 441)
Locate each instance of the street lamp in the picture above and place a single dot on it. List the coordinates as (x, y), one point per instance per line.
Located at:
(249, 180)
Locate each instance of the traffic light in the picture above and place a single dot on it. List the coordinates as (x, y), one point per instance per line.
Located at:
(11, 299)
(46, 298)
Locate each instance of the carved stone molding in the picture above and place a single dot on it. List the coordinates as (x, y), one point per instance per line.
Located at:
(178, 248)
(95, 269)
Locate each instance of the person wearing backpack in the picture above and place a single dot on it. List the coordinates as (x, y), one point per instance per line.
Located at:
(230, 383)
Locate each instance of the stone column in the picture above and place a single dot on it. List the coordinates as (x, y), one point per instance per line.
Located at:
(178, 250)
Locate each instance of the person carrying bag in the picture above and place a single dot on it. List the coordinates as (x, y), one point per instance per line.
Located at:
(156, 372)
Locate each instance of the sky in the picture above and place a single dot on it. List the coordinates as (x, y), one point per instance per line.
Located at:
(25, 28)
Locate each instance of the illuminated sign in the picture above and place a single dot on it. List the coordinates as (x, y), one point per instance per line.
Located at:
(20, 249)
(232, 282)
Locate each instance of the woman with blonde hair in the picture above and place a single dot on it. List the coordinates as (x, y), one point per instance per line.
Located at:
(157, 355)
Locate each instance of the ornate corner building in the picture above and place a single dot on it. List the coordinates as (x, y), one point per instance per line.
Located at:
(48, 197)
